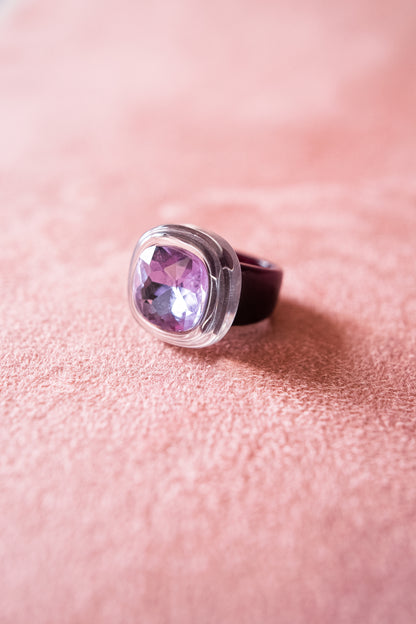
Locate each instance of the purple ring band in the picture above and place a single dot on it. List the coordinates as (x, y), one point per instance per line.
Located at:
(260, 287)
(188, 286)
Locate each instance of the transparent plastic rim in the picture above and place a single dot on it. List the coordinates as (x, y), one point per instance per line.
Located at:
(224, 274)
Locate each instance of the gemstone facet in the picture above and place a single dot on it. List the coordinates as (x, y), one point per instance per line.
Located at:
(170, 288)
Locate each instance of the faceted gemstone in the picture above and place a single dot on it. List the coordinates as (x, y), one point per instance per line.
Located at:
(171, 288)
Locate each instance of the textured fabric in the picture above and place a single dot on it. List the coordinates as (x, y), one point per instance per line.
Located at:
(272, 477)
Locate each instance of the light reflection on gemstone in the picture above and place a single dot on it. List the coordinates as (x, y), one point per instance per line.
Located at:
(170, 288)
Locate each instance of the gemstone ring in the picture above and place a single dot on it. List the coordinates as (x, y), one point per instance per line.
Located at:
(188, 286)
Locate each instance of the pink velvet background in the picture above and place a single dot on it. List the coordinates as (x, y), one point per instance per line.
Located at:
(271, 478)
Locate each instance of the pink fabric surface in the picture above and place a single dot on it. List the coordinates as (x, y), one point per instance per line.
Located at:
(272, 477)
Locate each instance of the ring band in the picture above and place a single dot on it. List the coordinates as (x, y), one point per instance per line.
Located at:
(260, 285)
(188, 286)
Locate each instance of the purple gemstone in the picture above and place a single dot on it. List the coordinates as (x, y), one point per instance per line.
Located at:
(171, 288)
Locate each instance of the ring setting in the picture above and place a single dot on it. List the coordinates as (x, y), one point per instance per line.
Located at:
(188, 286)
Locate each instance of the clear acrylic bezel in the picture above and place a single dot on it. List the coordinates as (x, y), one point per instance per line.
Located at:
(224, 275)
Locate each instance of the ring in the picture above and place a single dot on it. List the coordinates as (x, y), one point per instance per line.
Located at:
(187, 286)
